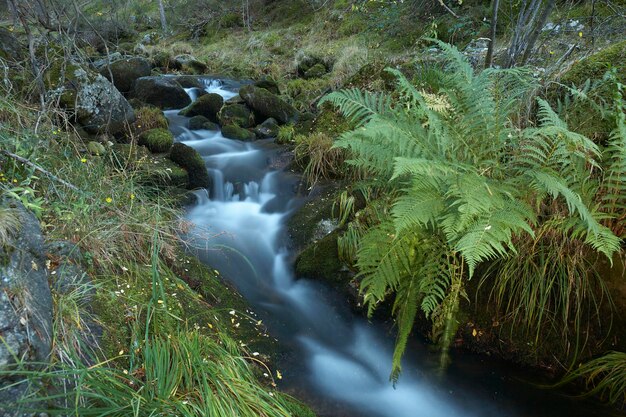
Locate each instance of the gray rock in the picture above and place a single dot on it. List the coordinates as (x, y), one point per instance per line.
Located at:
(10, 47)
(163, 92)
(190, 64)
(266, 104)
(100, 107)
(124, 72)
(111, 58)
(25, 298)
(267, 129)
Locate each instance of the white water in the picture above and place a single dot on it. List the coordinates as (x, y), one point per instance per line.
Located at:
(239, 229)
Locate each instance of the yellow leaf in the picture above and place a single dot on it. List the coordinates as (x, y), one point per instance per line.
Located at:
(474, 332)
(279, 375)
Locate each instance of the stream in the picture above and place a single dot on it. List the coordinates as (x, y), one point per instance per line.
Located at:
(337, 362)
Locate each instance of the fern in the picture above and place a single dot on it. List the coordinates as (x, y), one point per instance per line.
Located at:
(464, 186)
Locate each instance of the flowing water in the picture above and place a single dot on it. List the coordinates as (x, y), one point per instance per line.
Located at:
(337, 361)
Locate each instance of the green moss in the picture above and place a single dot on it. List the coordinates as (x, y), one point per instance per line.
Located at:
(584, 116)
(147, 118)
(321, 261)
(595, 66)
(127, 155)
(372, 77)
(188, 158)
(236, 114)
(237, 133)
(162, 172)
(331, 122)
(316, 71)
(157, 140)
(207, 105)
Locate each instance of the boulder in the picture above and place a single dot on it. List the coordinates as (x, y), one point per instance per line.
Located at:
(157, 140)
(99, 63)
(97, 105)
(159, 171)
(237, 133)
(207, 105)
(163, 92)
(266, 104)
(267, 129)
(269, 84)
(25, 298)
(316, 71)
(236, 114)
(124, 72)
(10, 47)
(190, 64)
(189, 81)
(201, 122)
(188, 158)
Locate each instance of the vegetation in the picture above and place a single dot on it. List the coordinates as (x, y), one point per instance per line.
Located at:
(495, 194)
(468, 184)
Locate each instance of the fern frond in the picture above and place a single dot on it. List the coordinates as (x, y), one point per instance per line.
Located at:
(358, 106)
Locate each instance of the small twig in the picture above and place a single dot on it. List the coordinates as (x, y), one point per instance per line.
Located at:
(566, 55)
(40, 169)
(449, 10)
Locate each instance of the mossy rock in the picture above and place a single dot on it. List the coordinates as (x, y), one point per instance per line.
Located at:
(189, 81)
(316, 71)
(266, 105)
(268, 84)
(124, 72)
(321, 261)
(372, 77)
(581, 115)
(163, 92)
(237, 133)
(236, 114)
(207, 105)
(201, 122)
(331, 122)
(160, 171)
(96, 148)
(128, 155)
(189, 158)
(190, 64)
(147, 118)
(267, 129)
(157, 140)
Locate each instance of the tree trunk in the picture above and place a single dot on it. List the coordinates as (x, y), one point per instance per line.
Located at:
(492, 34)
(163, 20)
(534, 35)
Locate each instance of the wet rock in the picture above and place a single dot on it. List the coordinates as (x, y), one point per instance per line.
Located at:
(266, 105)
(201, 122)
(189, 81)
(320, 261)
(237, 133)
(189, 159)
(236, 114)
(207, 105)
(267, 129)
(163, 92)
(124, 72)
